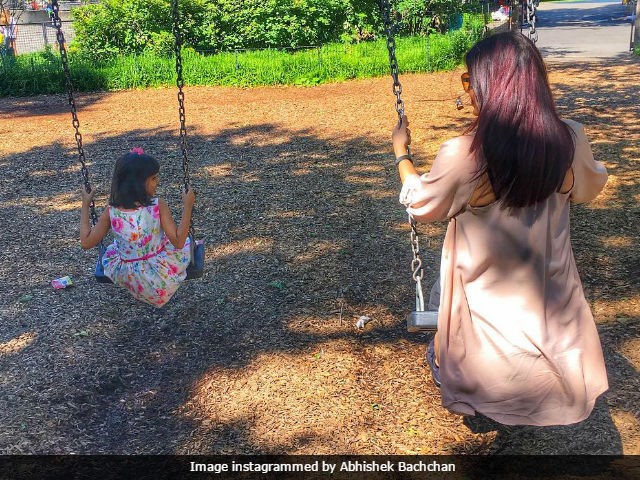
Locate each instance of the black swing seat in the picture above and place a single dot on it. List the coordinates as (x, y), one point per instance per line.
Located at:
(99, 273)
(196, 266)
(426, 321)
(194, 270)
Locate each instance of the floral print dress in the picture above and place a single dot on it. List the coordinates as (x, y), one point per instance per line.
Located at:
(142, 258)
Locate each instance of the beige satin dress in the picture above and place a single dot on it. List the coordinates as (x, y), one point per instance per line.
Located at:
(517, 340)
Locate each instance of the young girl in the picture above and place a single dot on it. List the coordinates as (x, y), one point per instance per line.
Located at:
(150, 254)
(516, 339)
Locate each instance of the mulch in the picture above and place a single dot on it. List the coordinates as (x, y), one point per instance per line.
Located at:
(297, 200)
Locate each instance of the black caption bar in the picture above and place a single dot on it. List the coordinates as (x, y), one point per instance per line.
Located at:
(310, 467)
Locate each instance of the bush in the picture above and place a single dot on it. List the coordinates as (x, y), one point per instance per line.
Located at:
(131, 26)
(39, 73)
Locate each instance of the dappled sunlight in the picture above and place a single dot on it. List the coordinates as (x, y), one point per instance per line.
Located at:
(17, 344)
(608, 307)
(368, 168)
(256, 139)
(337, 397)
(380, 194)
(219, 171)
(248, 245)
(629, 428)
(620, 241)
(52, 173)
(364, 180)
(63, 202)
(630, 350)
(316, 250)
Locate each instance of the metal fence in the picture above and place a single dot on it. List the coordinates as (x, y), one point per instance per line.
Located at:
(34, 37)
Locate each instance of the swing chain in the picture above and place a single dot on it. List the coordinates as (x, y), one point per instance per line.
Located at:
(385, 7)
(180, 84)
(416, 265)
(57, 23)
(531, 20)
(416, 262)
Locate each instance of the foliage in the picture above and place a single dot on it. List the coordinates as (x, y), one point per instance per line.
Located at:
(636, 50)
(40, 73)
(115, 27)
(131, 26)
(278, 23)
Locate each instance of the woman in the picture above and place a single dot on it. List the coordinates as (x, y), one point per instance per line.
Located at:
(516, 339)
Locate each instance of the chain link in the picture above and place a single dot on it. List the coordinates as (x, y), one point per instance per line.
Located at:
(416, 263)
(57, 23)
(531, 20)
(385, 7)
(180, 84)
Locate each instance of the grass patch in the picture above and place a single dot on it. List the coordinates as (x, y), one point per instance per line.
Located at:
(40, 73)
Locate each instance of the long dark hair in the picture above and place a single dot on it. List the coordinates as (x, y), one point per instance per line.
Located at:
(520, 141)
(128, 188)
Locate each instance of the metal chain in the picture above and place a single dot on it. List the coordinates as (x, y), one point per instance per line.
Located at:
(416, 263)
(57, 23)
(531, 20)
(385, 7)
(180, 84)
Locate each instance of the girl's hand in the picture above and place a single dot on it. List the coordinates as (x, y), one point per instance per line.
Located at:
(188, 197)
(87, 197)
(401, 137)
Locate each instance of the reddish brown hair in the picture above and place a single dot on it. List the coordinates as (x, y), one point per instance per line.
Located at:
(520, 141)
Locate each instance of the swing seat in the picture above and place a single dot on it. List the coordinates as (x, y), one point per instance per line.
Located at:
(196, 266)
(426, 321)
(99, 273)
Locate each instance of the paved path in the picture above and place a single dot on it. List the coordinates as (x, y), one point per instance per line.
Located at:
(583, 30)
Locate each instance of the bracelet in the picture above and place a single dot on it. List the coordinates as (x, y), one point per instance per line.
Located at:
(404, 157)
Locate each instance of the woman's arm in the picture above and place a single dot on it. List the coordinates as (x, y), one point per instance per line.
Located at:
(90, 237)
(177, 235)
(401, 138)
(446, 190)
(590, 176)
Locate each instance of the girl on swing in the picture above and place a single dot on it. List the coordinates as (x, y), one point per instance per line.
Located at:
(516, 339)
(150, 254)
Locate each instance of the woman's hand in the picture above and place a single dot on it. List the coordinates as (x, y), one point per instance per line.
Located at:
(87, 197)
(401, 137)
(188, 197)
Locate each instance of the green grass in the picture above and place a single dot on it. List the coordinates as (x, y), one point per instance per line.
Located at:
(40, 73)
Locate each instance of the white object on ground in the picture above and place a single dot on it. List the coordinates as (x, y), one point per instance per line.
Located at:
(362, 321)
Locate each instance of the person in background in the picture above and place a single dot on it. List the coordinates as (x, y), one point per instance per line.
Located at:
(9, 31)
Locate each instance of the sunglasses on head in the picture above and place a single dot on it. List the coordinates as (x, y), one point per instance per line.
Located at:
(466, 81)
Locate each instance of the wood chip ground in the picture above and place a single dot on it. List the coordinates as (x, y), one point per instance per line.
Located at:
(297, 201)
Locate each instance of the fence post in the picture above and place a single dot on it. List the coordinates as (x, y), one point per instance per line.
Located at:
(320, 56)
(44, 34)
(428, 55)
(237, 66)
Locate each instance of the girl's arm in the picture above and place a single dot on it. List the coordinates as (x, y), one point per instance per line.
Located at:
(90, 237)
(177, 235)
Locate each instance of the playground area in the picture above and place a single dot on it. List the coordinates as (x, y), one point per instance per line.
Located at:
(297, 199)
